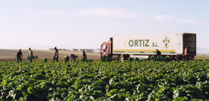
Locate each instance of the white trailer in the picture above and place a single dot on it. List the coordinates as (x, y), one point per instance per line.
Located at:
(171, 45)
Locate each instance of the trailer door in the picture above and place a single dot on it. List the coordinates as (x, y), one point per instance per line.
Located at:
(189, 40)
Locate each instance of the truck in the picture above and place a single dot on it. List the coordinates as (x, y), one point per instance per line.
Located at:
(121, 47)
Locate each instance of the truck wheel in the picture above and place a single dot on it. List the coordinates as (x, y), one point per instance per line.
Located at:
(173, 57)
(178, 57)
(183, 57)
(170, 57)
(163, 56)
(126, 56)
(152, 57)
(191, 57)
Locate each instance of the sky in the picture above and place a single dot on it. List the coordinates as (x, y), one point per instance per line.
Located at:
(43, 24)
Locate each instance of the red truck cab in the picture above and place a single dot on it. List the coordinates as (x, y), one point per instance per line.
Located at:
(106, 47)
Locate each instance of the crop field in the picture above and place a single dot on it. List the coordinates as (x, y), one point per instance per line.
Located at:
(128, 80)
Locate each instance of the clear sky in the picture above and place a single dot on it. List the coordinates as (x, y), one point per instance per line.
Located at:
(42, 24)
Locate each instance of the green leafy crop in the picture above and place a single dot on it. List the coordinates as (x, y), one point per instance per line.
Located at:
(96, 80)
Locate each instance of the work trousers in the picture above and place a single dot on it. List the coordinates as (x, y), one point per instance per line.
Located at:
(55, 58)
(31, 60)
(186, 57)
(19, 59)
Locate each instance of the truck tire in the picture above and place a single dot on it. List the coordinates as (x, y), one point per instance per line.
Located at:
(173, 57)
(124, 57)
(191, 57)
(152, 57)
(178, 57)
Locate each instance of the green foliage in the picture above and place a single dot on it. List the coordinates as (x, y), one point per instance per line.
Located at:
(33, 57)
(96, 80)
(106, 59)
(44, 59)
(161, 58)
(87, 60)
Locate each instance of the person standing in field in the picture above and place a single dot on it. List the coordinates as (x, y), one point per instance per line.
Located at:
(56, 54)
(30, 55)
(19, 56)
(186, 53)
(84, 55)
(158, 54)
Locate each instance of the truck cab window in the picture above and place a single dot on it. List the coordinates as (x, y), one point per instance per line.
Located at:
(104, 47)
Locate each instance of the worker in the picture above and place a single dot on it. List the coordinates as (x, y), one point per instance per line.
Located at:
(73, 57)
(30, 55)
(84, 55)
(19, 56)
(66, 58)
(158, 54)
(56, 54)
(186, 53)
